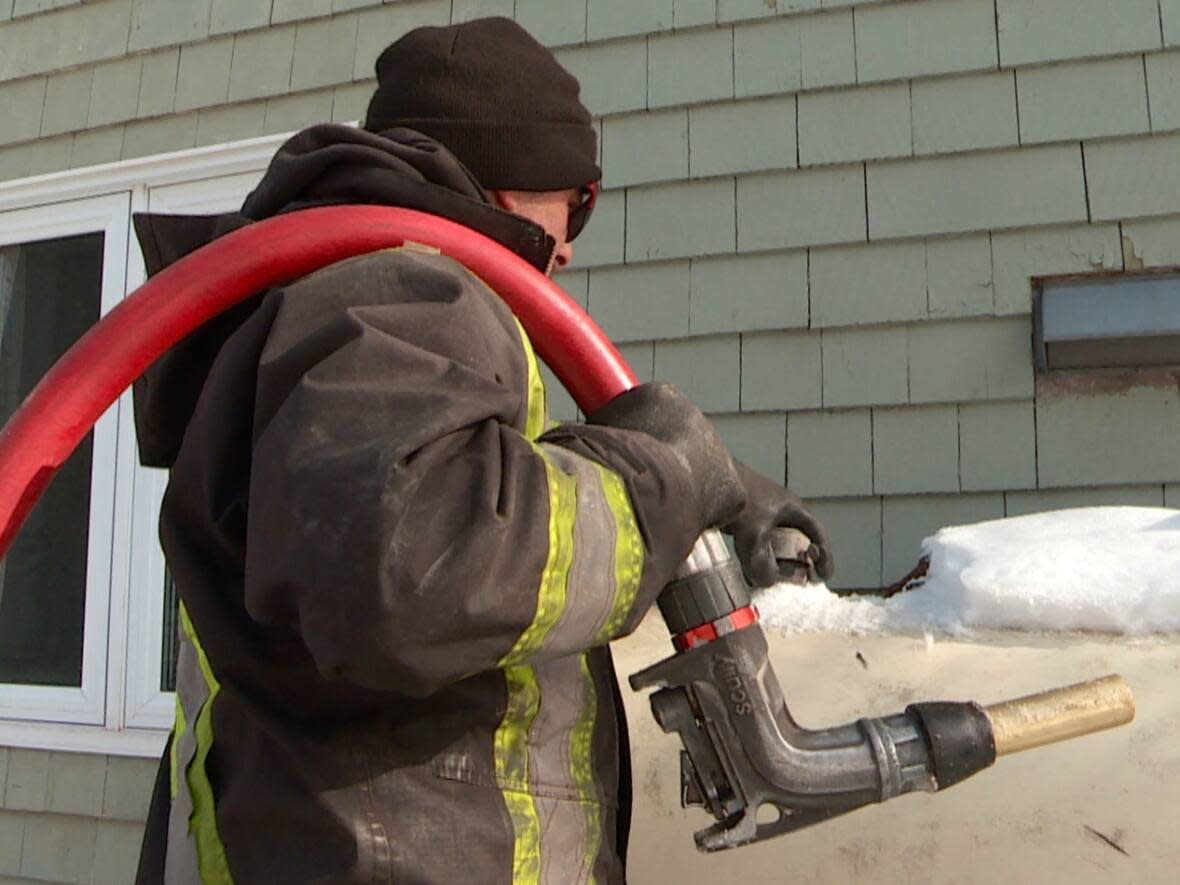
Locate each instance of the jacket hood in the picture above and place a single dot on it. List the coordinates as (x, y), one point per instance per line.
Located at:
(323, 165)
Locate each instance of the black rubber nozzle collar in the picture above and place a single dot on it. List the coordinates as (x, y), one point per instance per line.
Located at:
(959, 736)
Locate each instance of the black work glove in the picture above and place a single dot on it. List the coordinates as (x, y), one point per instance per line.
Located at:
(761, 537)
(663, 412)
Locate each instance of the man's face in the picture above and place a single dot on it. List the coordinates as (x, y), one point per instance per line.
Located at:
(551, 210)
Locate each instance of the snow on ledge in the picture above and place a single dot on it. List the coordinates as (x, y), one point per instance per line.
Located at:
(1098, 569)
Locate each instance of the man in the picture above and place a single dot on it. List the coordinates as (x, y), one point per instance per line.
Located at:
(397, 588)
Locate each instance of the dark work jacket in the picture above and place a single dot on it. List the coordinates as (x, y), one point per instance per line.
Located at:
(397, 585)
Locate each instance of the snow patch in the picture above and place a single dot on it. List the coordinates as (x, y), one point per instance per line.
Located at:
(1100, 569)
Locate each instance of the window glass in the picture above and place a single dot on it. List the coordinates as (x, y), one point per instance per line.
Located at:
(50, 293)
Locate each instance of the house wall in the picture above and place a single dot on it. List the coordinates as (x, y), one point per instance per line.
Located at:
(72, 817)
(820, 217)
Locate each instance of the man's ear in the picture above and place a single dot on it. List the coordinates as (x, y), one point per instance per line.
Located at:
(506, 200)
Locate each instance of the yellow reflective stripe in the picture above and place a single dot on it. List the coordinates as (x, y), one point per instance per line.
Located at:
(211, 860)
(582, 766)
(538, 414)
(512, 772)
(628, 554)
(551, 594)
(178, 730)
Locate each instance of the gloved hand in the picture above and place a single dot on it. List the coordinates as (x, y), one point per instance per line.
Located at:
(760, 533)
(663, 412)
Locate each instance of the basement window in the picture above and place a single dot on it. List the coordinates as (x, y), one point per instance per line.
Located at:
(1111, 322)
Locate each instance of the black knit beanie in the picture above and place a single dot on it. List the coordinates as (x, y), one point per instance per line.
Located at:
(495, 97)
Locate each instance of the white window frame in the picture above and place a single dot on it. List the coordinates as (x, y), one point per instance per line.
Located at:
(119, 709)
(147, 705)
(86, 704)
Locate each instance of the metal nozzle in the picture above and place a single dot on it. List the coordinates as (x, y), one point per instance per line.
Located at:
(1060, 714)
(744, 754)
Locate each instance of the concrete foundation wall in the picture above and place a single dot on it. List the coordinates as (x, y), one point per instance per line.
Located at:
(1038, 816)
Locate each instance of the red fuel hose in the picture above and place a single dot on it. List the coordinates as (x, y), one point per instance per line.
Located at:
(91, 375)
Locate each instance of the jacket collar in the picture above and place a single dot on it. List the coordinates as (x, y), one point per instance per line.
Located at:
(333, 164)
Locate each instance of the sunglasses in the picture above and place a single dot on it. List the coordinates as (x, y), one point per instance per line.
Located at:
(580, 213)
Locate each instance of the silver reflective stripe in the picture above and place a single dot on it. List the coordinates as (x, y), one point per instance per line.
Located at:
(181, 864)
(568, 845)
(563, 852)
(560, 737)
(590, 595)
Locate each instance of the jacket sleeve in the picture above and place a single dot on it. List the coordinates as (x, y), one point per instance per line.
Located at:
(404, 517)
